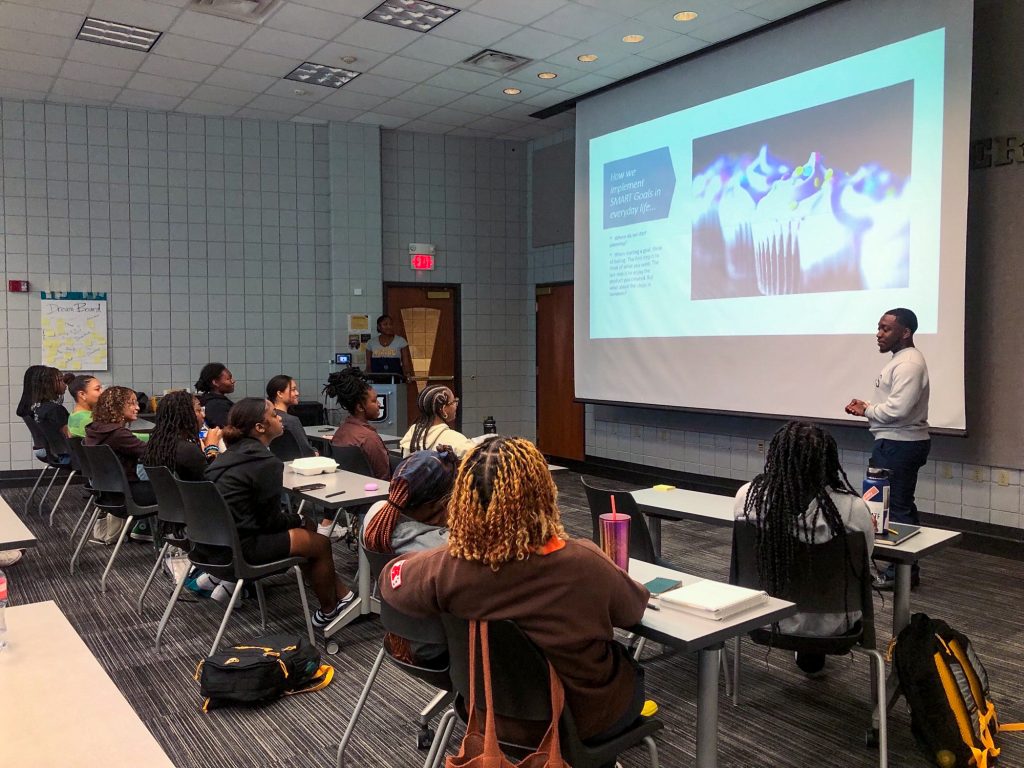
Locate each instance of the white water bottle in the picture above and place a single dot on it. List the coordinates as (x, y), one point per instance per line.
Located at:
(3, 606)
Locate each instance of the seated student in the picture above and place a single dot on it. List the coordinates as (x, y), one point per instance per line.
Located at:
(24, 412)
(358, 397)
(508, 557)
(175, 442)
(250, 478)
(49, 414)
(85, 390)
(214, 385)
(438, 406)
(116, 408)
(283, 392)
(804, 491)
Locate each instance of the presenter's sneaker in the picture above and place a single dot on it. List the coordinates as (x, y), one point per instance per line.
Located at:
(323, 620)
(885, 579)
(10, 558)
(336, 535)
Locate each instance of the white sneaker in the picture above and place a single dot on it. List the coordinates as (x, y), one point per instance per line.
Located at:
(223, 591)
(337, 534)
(10, 558)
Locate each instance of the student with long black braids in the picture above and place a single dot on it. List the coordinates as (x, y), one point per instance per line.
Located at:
(438, 407)
(250, 478)
(803, 493)
(175, 442)
(356, 395)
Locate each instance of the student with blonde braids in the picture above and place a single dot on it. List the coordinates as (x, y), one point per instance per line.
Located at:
(508, 557)
(438, 406)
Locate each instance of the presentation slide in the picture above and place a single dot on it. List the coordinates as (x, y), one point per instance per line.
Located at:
(764, 212)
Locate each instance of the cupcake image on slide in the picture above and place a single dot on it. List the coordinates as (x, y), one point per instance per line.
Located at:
(879, 197)
(708, 246)
(736, 210)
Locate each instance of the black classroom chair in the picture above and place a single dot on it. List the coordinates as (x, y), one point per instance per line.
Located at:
(170, 521)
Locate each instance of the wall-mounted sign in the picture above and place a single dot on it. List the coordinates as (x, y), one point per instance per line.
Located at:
(421, 256)
(998, 150)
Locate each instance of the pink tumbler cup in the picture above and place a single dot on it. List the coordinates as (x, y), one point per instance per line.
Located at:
(615, 538)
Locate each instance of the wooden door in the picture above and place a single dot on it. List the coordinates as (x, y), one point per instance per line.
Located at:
(559, 417)
(427, 317)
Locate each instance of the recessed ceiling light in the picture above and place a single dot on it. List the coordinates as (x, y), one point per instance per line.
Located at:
(633, 39)
(511, 91)
(118, 35)
(546, 75)
(349, 59)
(685, 16)
(411, 14)
(321, 74)
(586, 58)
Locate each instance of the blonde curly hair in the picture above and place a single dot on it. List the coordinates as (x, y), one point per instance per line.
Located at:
(503, 505)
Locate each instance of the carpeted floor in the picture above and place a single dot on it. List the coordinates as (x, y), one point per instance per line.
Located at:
(784, 720)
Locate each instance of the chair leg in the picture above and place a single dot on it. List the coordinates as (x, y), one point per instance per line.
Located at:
(305, 605)
(113, 555)
(876, 658)
(28, 504)
(85, 537)
(81, 518)
(339, 760)
(641, 643)
(227, 615)
(435, 705)
(53, 510)
(440, 745)
(42, 499)
(726, 670)
(170, 607)
(262, 600)
(152, 575)
(652, 750)
(737, 653)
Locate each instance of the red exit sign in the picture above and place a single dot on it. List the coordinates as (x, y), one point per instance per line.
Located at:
(422, 261)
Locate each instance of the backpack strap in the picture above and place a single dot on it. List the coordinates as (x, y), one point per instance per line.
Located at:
(318, 682)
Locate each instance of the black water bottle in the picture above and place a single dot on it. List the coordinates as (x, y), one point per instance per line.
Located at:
(490, 426)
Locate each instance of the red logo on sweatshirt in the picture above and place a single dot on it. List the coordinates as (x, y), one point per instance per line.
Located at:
(396, 574)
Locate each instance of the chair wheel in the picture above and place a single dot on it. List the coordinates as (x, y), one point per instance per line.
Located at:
(333, 647)
(424, 739)
(871, 738)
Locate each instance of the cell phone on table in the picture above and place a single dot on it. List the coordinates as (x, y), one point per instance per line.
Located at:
(310, 487)
(660, 586)
(326, 429)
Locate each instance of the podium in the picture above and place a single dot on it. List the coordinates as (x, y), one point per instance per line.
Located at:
(391, 395)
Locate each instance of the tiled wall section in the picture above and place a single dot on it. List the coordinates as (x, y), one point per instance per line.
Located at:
(211, 236)
(467, 196)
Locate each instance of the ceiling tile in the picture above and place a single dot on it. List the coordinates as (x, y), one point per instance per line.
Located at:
(535, 43)
(324, 111)
(425, 126)
(357, 8)
(36, 19)
(440, 50)
(106, 55)
(378, 86)
(377, 36)
(243, 81)
(625, 7)
(30, 42)
(24, 81)
(461, 80)
(283, 44)
(773, 10)
(333, 53)
(343, 97)
(93, 73)
(213, 29)
(179, 68)
(549, 98)
(470, 133)
(726, 27)
(22, 94)
(429, 94)
(495, 124)
(528, 74)
(287, 89)
(190, 49)
(200, 107)
(449, 116)
(673, 49)
(74, 89)
(527, 132)
(474, 28)
(262, 63)
(707, 11)
(163, 85)
(482, 104)
(313, 22)
(148, 100)
(578, 21)
(223, 95)
(520, 11)
(401, 68)
(137, 12)
(586, 84)
(407, 109)
(609, 43)
(278, 104)
(384, 121)
(627, 67)
(68, 6)
(251, 113)
(29, 63)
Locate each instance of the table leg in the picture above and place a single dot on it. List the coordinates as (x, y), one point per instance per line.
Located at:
(709, 662)
(901, 598)
(654, 526)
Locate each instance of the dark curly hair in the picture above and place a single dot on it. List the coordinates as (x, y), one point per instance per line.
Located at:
(175, 420)
(110, 407)
(44, 385)
(210, 372)
(349, 387)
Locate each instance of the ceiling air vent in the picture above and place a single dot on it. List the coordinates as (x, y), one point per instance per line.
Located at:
(494, 62)
(252, 11)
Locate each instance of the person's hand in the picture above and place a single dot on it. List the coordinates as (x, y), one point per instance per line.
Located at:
(212, 437)
(856, 407)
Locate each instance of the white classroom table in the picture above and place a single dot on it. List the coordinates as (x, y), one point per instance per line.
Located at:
(341, 489)
(325, 432)
(14, 534)
(58, 706)
(706, 637)
(141, 425)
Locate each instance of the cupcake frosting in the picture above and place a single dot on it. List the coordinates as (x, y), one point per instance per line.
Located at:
(764, 171)
(785, 196)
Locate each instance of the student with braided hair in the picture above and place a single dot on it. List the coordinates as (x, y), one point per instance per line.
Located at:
(803, 494)
(508, 557)
(438, 406)
(356, 395)
(175, 442)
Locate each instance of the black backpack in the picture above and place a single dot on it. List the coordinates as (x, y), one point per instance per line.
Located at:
(946, 686)
(261, 671)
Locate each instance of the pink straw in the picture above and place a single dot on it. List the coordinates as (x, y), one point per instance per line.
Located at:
(614, 514)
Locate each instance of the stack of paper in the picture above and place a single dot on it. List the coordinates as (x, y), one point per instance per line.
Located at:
(712, 599)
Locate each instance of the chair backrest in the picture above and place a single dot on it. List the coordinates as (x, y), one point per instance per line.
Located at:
(600, 501)
(79, 460)
(823, 578)
(209, 520)
(416, 630)
(285, 447)
(351, 459)
(107, 473)
(54, 440)
(38, 440)
(168, 497)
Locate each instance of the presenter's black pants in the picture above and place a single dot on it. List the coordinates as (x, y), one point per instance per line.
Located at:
(903, 459)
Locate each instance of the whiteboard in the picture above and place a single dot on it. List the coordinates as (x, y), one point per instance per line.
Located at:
(74, 330)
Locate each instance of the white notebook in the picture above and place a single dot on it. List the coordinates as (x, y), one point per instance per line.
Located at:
(712, 599)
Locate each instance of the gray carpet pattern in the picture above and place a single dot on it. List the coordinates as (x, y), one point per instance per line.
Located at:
(784, 719)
